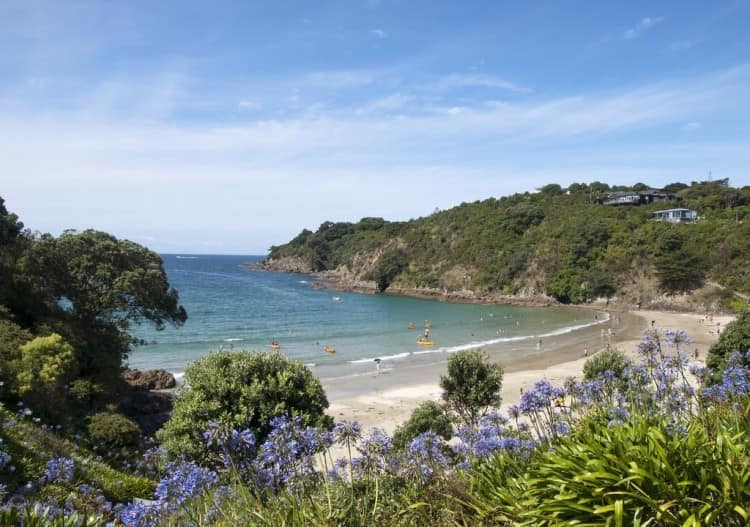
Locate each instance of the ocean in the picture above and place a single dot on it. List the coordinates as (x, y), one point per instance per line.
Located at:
(231, 306)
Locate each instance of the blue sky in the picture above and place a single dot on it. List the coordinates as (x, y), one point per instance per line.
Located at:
(225, 128)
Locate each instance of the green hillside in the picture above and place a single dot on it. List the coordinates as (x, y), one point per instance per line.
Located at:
(559, 242)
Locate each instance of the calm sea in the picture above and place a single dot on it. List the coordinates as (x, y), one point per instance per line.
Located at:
(231, 306)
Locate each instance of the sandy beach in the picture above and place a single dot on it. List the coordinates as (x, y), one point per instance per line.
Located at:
(387, 398)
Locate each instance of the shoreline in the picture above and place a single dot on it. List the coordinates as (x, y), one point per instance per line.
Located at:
(335, 280)
(387, 400)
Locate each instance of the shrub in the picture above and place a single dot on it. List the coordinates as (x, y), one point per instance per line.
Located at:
(46, 364)
(472, 385)
(427, 417)
(241, 390)
(612, 360)
(113, 430)
(735, 337)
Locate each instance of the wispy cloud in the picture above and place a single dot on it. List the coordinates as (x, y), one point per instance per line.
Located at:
(249, 104)
(478, 80)
(378, 33)
(642, 26)
(691, 126)
(380, 152)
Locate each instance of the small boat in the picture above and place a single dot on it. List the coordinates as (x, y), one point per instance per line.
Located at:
(411, 325)
(329, 349)
(425, 342)
(275, 345)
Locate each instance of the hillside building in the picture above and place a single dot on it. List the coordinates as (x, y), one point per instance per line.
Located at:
(637, 197)
(675, 215)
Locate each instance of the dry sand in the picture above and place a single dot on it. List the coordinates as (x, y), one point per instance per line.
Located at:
(387, 399)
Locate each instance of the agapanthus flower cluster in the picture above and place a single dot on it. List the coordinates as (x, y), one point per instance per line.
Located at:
(287, 457)
(184, 482)
(59, 470)
(374, 451)
(5, 458)
(735, 380)
(235, 449)
(426, 455)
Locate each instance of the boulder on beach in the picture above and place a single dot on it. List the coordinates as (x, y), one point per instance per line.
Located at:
(149, 379)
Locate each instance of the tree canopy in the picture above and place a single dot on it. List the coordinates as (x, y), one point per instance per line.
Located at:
(88, 288)
(472, 386)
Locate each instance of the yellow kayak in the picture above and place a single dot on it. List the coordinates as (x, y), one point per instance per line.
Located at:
(329, 349)
(425, 342)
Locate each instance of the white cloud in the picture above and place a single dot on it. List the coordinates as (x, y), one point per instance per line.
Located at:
(249, 104)
(642, 26)
(691, 126)
(259, 181)
(378, 33)
(486, 81)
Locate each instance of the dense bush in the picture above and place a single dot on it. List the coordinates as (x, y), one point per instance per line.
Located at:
(472, 386)
(113, 431)
(427, 417)
(46, 364)
(734, 338)
(241, 390)
(609, 360)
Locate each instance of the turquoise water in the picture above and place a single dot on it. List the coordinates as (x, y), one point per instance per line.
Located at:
(234, 307)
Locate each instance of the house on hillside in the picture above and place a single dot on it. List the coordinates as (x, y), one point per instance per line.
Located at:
(637, 197)
(675, 215)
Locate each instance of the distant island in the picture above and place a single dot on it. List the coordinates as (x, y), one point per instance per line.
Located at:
(682, 247)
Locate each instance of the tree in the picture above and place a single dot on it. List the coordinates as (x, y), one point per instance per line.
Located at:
(389, 265)
(472, 385)
(10, 227)
(241, 390)
(679, 267)
(102, 285)
(427, 417)
(735, 337)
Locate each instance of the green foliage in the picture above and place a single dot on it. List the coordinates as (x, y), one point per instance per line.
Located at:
(44, 517)
(47, 363)
(558, 241)
(639, 473)
(472, 386)
(611, 359)
(735, 337)
(389, 265)
(103, 285)
(10, 227)
(31, 446)
(12, 337)
(241, 390)
(427, 417)
(113, 431)
(679, 267)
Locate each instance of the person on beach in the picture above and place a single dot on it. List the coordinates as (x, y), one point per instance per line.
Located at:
(377, 366)
(539, 344)
(585, 352)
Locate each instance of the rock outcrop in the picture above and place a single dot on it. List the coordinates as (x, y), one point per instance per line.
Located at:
(149, 379)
